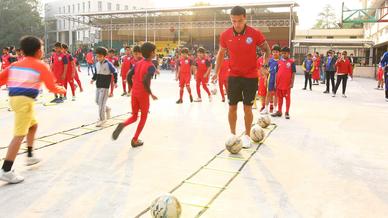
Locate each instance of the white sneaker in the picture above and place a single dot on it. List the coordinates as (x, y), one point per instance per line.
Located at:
(264, 111)
(100, 123)
(333, 95)
(198, 100)
(73, 98)
(32, 160)
(344, 96)
(386, 99)
(10, 177)
(108, 116)
(246, 140)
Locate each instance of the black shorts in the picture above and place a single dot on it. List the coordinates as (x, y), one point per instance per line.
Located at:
(242, 89)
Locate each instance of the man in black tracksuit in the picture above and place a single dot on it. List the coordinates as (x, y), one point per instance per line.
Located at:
(330, 71)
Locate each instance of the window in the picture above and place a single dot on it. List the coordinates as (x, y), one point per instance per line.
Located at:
(109, 6)
(83, 7)
(309, 37)
(64, 10)
(117, 7)
(88, 5)
(330, 37)
(100, 6)
(126, 7)
(73, 9)
(60, 10)
(79, 7)
(68, 9)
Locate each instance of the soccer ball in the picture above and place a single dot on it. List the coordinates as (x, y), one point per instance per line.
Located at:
(166, 206)
(264, 121)
(257, 133)
(233, 144)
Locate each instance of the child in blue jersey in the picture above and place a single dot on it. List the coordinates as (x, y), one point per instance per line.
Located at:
(271, 81)
(308, 68)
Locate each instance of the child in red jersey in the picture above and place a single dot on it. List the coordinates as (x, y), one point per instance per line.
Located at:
(115, 61)
(223, 77)
(70, 70)
(5, 59)
(59, 62)
(285, 82)
(202, 72)
(24, 80)
(76, 76)
(262, 89)
(136, 57)
(140, 80)
(380, 78)
(125, 68)
(19, 55)
(183, 74)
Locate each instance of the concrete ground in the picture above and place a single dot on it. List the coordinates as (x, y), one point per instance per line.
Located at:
(329, 160)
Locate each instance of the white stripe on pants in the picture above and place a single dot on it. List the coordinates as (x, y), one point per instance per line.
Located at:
(101, 99)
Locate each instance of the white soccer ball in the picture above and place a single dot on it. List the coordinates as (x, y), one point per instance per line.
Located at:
(257, 133)
(264, 121)
(233, 144)
(166, 206)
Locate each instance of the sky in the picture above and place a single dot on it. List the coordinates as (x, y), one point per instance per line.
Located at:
(308, 10)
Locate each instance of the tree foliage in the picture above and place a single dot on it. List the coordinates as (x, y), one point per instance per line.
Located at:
(19, 18)
(327, 19)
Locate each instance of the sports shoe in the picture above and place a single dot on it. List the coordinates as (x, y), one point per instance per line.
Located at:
(179, 101)
(59, 101)
(198, 100)
(304, 89)
(287, 116)
(100, 123)
(223, 100)
(333, 95)
(344, 96)
(32, 161)
(73, 98)
(326, 92)
(117, 131)
(10, 177)
(191, 98)
(386, 99)
(277, 114)
(108, 115)
(64, 98)
(54, 100)
(264, 111)
(137, 143)
(124, 94)
(246, 140)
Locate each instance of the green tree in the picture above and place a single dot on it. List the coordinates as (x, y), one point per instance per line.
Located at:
(19, 18)
(326, 19)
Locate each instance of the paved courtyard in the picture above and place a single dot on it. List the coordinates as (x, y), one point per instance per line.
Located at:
(329, 160)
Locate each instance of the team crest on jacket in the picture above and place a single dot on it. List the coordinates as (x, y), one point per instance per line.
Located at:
(203, 61)
(249, 40)
(59, 58)
(186, 61)
(288, 65)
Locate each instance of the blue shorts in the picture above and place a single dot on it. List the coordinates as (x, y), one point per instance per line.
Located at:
(271, 82)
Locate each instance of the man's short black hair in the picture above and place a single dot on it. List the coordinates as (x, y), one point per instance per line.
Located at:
(6, 48)
(30, 45)
(185, 51)
(111, 51)
(18, 50)
(147, 48)
(101, 51)
(64, 46)
(136, 48)
(238, 10)
(201, 50)
(127, 47)
(58, 45)
(286, 49)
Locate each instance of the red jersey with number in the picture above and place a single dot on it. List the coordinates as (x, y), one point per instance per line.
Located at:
(185, 67)
(286, 68)
(242, 50)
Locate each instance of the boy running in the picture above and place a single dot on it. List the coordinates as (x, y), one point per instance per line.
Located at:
(140, 80)
(183, 74)
(202, 72)
(24, 79)
(103, 77)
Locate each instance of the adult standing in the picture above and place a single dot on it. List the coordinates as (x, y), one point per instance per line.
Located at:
(330, 71)
(384, 65)
(344, 68)
(241, 42)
